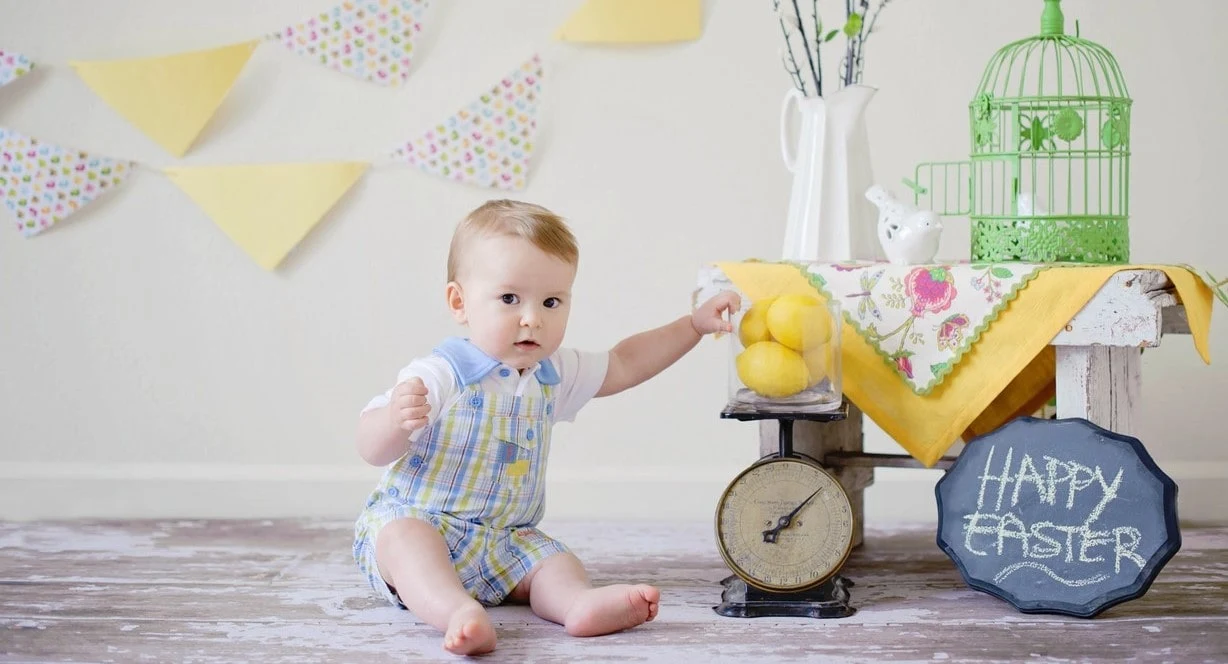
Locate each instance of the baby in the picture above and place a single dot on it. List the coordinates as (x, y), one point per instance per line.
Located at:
(451, 527)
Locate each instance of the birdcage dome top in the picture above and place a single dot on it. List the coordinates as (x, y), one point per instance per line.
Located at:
(1052, 65)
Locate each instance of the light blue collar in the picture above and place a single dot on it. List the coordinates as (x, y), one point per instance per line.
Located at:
(470, 365)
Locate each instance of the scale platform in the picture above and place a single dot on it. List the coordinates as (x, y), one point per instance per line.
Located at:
(736, 410)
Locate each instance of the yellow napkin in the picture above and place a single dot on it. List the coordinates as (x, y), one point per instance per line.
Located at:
(1008, 373)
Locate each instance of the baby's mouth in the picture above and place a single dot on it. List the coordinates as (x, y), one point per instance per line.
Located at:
(527, 345)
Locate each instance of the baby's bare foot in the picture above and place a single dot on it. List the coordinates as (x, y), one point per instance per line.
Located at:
(469, 632)
(611, 609)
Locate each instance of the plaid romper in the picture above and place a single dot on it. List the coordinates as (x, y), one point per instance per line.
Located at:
(477, 474)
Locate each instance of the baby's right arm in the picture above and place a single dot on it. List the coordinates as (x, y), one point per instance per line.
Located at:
(392, 421)
(384, 432)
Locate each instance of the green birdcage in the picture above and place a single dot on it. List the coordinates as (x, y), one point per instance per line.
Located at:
(1049, 173)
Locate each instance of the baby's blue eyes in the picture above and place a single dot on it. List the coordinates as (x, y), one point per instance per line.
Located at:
(553, 303)
(510, 298)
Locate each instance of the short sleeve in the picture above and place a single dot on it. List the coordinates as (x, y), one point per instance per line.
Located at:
(440, 385)
(581, 375)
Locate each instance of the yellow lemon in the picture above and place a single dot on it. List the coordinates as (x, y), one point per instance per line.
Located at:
(772, 370)
(753, 327)
(816, 362)
(799, 321)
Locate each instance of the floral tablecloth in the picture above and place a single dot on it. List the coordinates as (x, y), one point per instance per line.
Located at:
(921, 319)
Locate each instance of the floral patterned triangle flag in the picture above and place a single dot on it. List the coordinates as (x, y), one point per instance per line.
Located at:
(13, 66)
(41, 184)
(488, 142)
(368, 39)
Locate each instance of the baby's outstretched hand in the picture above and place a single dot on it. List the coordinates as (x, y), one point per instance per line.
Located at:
(708, 318)
(408, 407)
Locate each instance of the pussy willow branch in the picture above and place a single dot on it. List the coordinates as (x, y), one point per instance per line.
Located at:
(851, 65)
(869, 30)
(818, 43)
(791, 65)
(874, 18)
(852, 54)
(818, 80)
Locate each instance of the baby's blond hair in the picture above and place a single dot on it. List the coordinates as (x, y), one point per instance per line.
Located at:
(544, 229)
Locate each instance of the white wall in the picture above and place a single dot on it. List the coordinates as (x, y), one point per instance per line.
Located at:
(149, 368)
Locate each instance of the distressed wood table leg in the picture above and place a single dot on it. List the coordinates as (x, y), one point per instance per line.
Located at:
(1100, 383)
(817, 440)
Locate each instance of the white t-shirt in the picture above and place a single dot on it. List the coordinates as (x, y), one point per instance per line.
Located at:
(581, 374)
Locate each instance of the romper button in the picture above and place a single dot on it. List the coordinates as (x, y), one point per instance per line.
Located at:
(475, 401)
(505, 373)
(529, 434)
(415, 461)
(549, 408)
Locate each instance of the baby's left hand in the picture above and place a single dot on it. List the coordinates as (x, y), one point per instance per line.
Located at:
(707, 319)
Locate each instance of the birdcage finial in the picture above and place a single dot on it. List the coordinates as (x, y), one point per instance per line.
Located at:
(1051, 20)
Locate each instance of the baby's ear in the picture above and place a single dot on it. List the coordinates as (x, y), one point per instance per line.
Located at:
(456, 302)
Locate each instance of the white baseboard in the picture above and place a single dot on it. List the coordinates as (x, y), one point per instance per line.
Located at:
(45, 491)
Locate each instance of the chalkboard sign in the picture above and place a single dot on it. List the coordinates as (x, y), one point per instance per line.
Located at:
(1057, 516)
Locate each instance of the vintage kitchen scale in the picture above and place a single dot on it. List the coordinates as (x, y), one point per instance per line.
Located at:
(784, 526)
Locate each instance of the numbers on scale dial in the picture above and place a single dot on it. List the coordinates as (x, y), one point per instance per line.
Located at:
(812, 545)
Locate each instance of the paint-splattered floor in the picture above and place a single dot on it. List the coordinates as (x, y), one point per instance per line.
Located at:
(287, 591)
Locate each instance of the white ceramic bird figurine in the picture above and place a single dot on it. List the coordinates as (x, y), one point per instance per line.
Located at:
(909, 235)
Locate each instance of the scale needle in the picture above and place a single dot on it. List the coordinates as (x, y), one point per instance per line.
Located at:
(770, 535)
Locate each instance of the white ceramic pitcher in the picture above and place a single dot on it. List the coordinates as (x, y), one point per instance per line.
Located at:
(829, 219)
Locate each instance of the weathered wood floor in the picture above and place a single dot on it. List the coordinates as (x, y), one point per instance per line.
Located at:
(263, 591)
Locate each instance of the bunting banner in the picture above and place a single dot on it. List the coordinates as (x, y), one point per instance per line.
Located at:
(42, 184)
(169, 98)
(13, 66)
(267, 209)
(172, 98)
(371, 40)
(633, 22)
(489, 142)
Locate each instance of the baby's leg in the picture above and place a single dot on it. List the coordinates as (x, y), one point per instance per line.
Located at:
(559, 590)
(413, 558)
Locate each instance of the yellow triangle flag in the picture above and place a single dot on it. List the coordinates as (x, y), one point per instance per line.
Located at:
(267, 209)
(633, 21)
(170, 98)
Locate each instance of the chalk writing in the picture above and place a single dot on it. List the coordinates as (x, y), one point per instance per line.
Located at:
(1057, 516)
(998, 528)
(1073, 583)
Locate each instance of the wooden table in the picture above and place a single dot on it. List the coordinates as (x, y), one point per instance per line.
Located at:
(1099, 378)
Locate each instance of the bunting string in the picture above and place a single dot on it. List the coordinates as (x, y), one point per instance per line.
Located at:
(268, 208)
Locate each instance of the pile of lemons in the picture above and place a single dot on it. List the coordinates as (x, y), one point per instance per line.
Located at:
(784, 342)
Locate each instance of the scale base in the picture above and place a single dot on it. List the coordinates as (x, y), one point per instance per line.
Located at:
(829, 599)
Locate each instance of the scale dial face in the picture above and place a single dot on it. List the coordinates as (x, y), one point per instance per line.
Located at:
(784, 524)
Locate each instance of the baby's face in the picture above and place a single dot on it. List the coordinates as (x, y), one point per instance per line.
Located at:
(516, 299)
